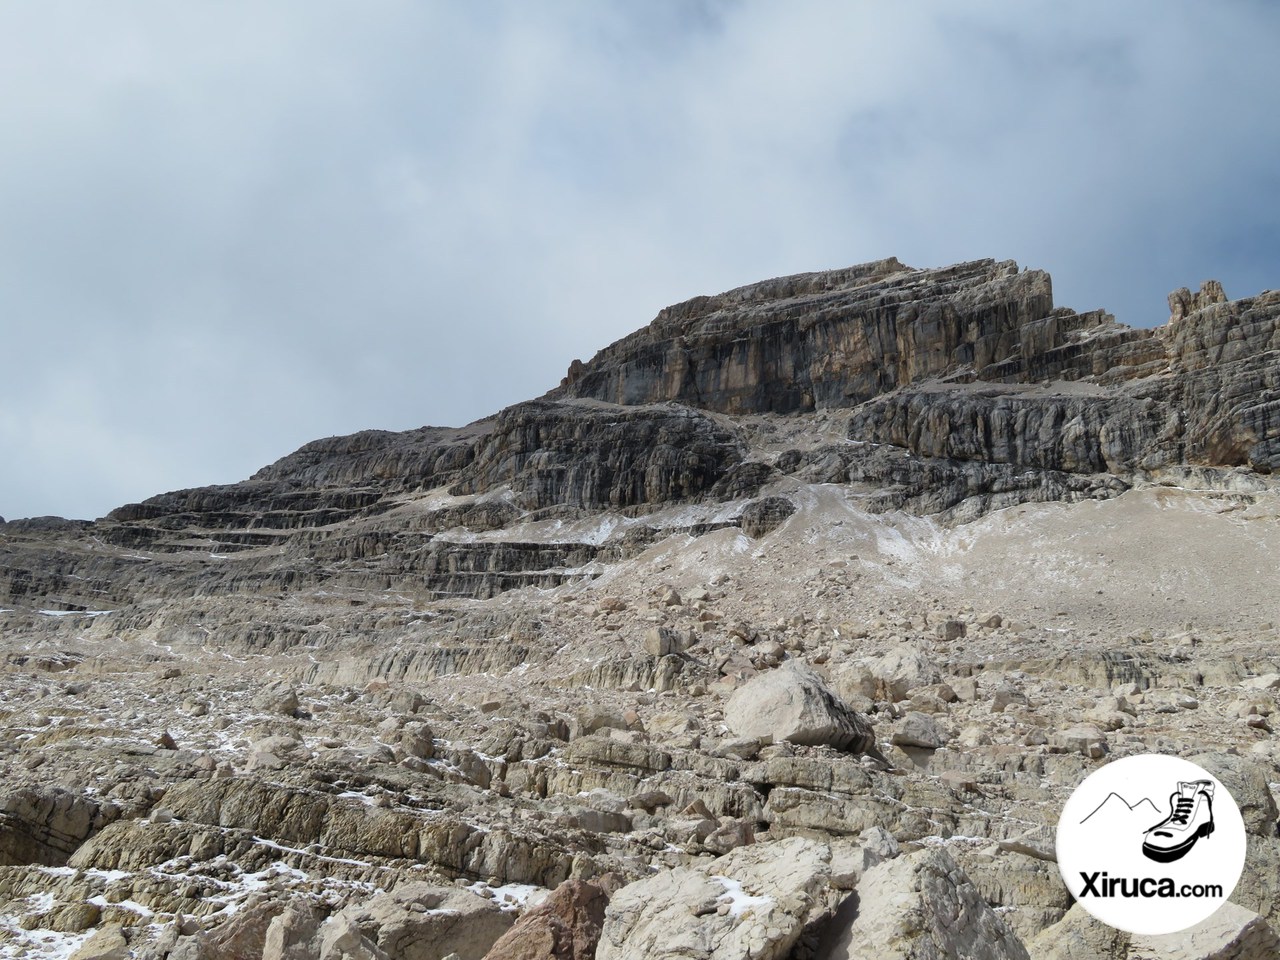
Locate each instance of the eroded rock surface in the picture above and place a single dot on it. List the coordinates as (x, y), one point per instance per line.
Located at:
(792, 619)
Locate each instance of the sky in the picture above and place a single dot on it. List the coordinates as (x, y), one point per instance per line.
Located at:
(228, 228)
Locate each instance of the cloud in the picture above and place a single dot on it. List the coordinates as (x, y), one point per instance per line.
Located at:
(226, 229)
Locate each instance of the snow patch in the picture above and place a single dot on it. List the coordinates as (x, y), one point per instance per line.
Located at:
(511, 897)
(738, 900)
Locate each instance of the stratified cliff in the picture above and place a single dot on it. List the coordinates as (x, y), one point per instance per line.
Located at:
(899, 343)
(954, 391)
(702, 634)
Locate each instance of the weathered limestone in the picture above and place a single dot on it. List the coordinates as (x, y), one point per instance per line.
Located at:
(921, 906)
(792, 703)
(565, 926)
(751, 903)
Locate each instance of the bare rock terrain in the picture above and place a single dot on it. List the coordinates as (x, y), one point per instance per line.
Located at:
(783, 628)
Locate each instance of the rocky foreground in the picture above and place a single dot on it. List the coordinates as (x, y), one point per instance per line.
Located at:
(782, 628)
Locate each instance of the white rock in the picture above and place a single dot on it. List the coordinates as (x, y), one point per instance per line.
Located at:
(792, 703)
(922, 906)
(751, 903)
(1229, 933)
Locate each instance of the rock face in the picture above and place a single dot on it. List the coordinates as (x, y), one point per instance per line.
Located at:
(966, 391)
(922, 906)
(842, 338)
(792, 703)
(750, 903)
(629, 641)
(565, 926)
(819, 339)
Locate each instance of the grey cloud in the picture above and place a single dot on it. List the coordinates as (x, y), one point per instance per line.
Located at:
(226, 229)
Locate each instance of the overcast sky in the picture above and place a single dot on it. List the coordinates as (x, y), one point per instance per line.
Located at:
(229, 228)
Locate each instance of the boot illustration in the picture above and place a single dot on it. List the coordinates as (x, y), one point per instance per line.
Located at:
(1190, 818)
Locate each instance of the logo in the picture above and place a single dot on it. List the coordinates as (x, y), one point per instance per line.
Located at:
(1151, 844)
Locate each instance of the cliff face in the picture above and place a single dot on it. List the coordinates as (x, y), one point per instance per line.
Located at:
(669, 613)
(819, 340)
(954, 391)
(883, 338)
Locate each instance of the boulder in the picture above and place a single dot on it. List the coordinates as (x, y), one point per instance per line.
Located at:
(565, 926)
(918, 730)
(792, 703)
(1230, 933)
(753, 902)
(922, 906)
(1084, 739)
(662, 641)
(277, 698)
(107, 943)
(416, 921)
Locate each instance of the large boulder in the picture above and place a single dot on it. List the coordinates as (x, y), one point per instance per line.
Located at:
(1230, 933)
(922, 906)
(1079, 936)
(792, 703)
(753, 902)
(1247, 781)
(565, 926)
(415, 921)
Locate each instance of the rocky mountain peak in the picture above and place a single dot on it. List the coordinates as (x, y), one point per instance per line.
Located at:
(699, 649)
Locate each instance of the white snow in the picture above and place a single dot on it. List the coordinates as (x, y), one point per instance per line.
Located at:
(272, 845)
(20, 944)
(74, 613)
(739, 900)
(511, 896)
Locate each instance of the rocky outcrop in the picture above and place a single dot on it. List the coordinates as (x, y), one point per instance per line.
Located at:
(1230, 933)
(792, 703)
(565, 926)
(1201, 390)
(751, 903)
(820, 339)
(922, 906)
(43, 826)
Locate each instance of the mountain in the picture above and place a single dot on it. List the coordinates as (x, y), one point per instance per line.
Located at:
(850, 571)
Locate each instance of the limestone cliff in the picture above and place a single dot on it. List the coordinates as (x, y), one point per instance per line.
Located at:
(955, 391)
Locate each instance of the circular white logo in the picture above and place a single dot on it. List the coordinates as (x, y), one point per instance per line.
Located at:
(1151, 844)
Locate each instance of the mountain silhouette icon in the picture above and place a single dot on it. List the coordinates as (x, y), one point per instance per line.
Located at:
(1116, 807)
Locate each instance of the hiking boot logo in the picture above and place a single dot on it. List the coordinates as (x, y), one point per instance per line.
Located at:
(1190, 818)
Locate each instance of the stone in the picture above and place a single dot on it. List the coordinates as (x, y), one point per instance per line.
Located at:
(791, 703)
(418, 921)
(890, 677)
(753, 902)
(107, 943)
(291, 934)
(1005, 697)
(1084, 739)
(565, 926)
(852, 857)
(277, 698)
(662, 641)
(1229, 933)
(922, 906)
(1267, 681)
(950, 630)
(917, 730)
